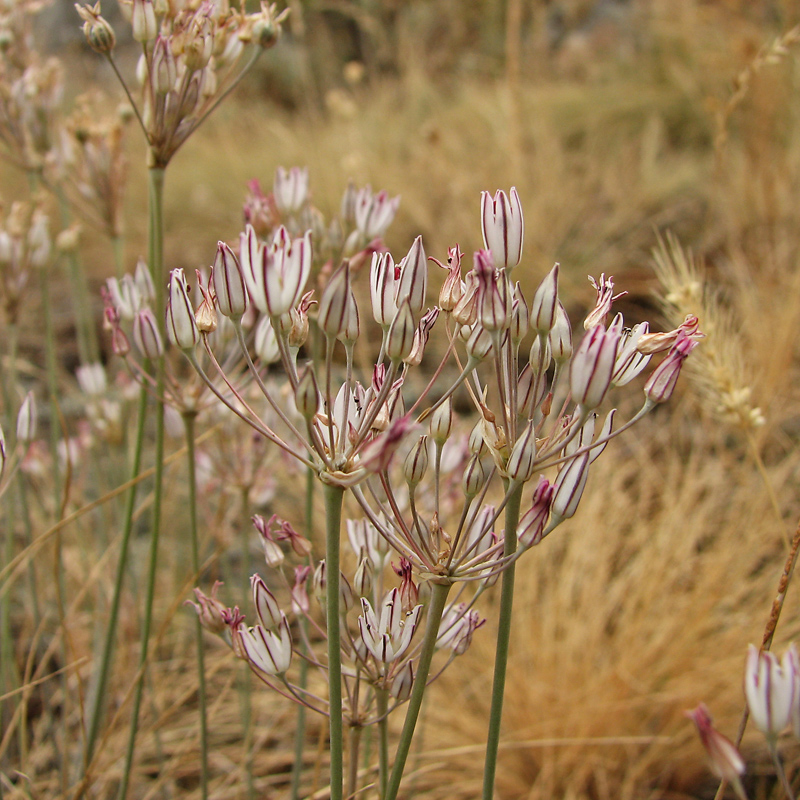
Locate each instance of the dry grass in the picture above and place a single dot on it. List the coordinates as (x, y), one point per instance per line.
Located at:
(641, 606)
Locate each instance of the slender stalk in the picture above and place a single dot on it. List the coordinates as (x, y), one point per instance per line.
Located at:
(188, 424)
(503, 639)
(334, 497)
(302, 679)
(156, 266)
(382, 706)
(435, 610)
(779, 768)
(354, 739)
(108, 645)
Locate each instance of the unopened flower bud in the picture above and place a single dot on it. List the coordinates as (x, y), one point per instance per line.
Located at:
(531, 525)
(503, 228)
(569, 486)
(306, 395)
(99, 34)
(442, 422)
(146, 336)
(181, 325)
(229, 285)
(319, 581)
(267, 609)
(413, 283)
(593, 365)
(300, 602)
(362, 581)
(523, 455)
(476, 445)
(400, 336)
(520, 317)
(545, 303)
(403, 682)
(210, 610)
(661, 383)
(474, 477)
(479, 343)
(333, 305)
(416, 463)
(26, 420)
(143, 20)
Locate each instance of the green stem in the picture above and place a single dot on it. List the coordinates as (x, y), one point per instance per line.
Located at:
(188, 424)
(435, 610)
(122, 565)
(156, 266)
(302, 679)
(334, 497)
(382, 706)
(503, 639)
(354, 738)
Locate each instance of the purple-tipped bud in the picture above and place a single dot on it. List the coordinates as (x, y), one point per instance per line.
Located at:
(374, 213)
(476, 444)
(569, 486)
(306, 396)
(400, 336)
(143, 20)
(421, 336)
(26, 420)
(479, 343)
(560, 337)
(523, 456)
(181, 325)
(531, 525)
(539, 357)
(494, 306)
(503, 228)
(351, 327)
(125, 296)
(210, 610)
(143, 281)
(545, 302)
(770, 687)
(661, 383)
(286, 271)
(319, 581)
(724, 759)
(164, 69)
(229, 285)
(474, 477)
(383, 282)
(333, 305)
(290, 189)
(273, 554)
(146, 336)
(520, 317)
(526, 384)
(403, 682)
(442, 422)
(362, 580)
(300, 601)
(593, 365)
(267, 609)
(416, 463)
(413, 284)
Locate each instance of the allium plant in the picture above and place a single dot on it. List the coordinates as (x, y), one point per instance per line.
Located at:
(439, 497)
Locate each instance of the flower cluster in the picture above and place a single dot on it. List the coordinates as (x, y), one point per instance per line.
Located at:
(190, 59)
(428, 484)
